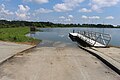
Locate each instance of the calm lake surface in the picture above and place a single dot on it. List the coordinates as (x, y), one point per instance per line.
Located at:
(61, 34)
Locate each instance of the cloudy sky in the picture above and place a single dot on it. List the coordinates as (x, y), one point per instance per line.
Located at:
(62, 11)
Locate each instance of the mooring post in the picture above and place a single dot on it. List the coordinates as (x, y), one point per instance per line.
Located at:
(73, 30)
(32, 28)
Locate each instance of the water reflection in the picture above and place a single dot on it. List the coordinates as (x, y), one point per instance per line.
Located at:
(61, 34)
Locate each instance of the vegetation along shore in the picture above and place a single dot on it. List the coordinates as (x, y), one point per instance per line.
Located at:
(7, 24)
(17, 35)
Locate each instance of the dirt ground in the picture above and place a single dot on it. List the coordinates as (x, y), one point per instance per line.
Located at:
(56, 63)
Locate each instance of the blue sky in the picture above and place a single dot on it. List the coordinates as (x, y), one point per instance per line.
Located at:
(62, 11)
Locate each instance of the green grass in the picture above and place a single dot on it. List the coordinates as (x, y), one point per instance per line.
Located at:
(16, 35)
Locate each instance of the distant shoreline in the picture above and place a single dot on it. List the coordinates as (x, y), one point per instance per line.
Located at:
(8, 24)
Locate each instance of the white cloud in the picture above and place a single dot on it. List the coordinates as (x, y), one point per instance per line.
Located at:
(67, 20)
(4, 13)
(61, 7)
(94, 17)
(70, 16)
(22, 16)
(22, 12)
(43, 10)
(23, 8)
(109, 17)
(62, 17)
(90, 17)
(84, 17)
(85, 10)
(67, 5)
(37, 1)
(97, 5)
(3, 10)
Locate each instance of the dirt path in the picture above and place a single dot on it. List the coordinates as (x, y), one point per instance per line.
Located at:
(56, 63)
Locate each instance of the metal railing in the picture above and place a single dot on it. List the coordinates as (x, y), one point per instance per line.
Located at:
(97, 37)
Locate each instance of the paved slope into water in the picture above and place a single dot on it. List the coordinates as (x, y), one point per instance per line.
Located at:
(8, 49)
(56, 63)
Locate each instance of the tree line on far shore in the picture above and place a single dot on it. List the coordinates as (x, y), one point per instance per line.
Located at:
(9, 24)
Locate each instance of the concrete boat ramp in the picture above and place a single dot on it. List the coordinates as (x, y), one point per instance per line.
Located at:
(9, 49)
(59, 62)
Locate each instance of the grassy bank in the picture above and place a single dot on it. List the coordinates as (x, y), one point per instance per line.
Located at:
(17, 35)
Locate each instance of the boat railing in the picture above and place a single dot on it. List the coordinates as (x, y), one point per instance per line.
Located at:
(96, 37)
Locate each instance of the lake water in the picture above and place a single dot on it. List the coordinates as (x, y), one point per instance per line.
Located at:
(61, 34)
